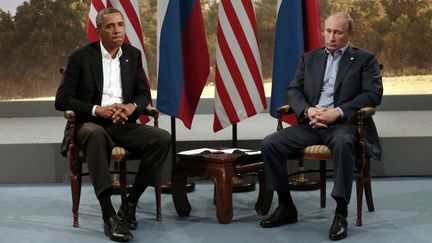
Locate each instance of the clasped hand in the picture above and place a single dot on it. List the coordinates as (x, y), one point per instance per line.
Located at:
(322, 117)
(118, 113)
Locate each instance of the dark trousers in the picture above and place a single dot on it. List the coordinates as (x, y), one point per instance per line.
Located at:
(97, 142)
(340, 137)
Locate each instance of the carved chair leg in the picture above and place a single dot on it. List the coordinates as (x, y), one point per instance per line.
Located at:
(158, 191)
(323, 183)
(359, 189)
(76, 194)
(368, 196)
(368, 187)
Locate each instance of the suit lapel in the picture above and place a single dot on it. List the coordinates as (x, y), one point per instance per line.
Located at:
(321, 61)
(96, 67)
(344, 66)
(125, 70)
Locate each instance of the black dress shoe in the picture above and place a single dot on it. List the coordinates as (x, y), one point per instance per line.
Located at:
(116, 230)
(281, 216)
(338, 230)
(127, 214)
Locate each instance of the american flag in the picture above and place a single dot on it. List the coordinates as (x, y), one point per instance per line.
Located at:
(131, 15)
(239, 89)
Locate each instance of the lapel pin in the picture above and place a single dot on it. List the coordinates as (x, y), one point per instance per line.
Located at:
(126, 60)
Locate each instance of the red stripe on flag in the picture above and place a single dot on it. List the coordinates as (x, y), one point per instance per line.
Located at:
(216, 123)
(235, 73)
(225, 99)
(133, 18)
(98, 5)
(247, 4)
(91, 32)
(245, 48)
(92, 36)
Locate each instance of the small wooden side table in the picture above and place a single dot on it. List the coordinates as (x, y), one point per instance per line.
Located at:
(222, 167)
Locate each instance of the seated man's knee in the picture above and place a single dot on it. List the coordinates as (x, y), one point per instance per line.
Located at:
(344, 141)
(165, 137)
(267, 143)
(91, 130)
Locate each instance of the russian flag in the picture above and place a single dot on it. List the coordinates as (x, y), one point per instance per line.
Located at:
(297, 30)
(183, 58)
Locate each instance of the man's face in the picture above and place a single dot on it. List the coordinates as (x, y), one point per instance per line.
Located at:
(336, 33)
(112, 31)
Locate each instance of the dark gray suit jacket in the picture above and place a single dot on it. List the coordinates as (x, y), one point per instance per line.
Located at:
(82, 84)
(358, 84)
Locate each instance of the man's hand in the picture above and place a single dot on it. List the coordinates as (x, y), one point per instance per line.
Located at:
(322, 117)
(121, 112)
(118, 113)
(104, 111)
(314, 115)
(330, 116)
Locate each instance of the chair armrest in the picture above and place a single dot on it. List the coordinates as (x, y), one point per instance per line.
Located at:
(361, 162)
(151, 111)
(284, 110)
(366, 112)
(69, 116)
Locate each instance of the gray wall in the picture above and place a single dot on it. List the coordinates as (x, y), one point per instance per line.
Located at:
(27, 162)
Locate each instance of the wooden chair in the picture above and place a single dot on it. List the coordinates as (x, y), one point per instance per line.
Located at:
(322, 153)
(76, 157)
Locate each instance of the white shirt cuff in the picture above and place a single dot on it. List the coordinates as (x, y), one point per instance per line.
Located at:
(341, 112)
(94, 110)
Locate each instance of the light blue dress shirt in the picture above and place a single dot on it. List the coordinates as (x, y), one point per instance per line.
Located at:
(327, 91)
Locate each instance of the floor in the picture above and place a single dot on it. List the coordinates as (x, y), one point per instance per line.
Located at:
(42, 213)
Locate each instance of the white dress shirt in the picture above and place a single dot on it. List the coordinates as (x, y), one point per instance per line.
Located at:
(112, 86)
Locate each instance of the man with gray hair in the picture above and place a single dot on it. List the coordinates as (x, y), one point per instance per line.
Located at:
(329, 86)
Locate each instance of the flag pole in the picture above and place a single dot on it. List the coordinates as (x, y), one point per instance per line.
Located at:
(234, 135)
(166, 184)
(173, 141)
(240, 183)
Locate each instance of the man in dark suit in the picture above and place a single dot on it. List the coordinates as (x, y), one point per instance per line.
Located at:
(330, 85)
(104, 85)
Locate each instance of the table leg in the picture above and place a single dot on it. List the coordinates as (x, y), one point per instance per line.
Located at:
(179, 195)
(223, 185)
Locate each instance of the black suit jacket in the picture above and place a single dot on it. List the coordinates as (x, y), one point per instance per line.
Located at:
(82, 84)
(358, 84)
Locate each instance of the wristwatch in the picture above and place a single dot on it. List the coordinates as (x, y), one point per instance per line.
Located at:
(305, 112)
(304, 116)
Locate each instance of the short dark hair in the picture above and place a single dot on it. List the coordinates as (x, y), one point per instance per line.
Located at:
(104, 12)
